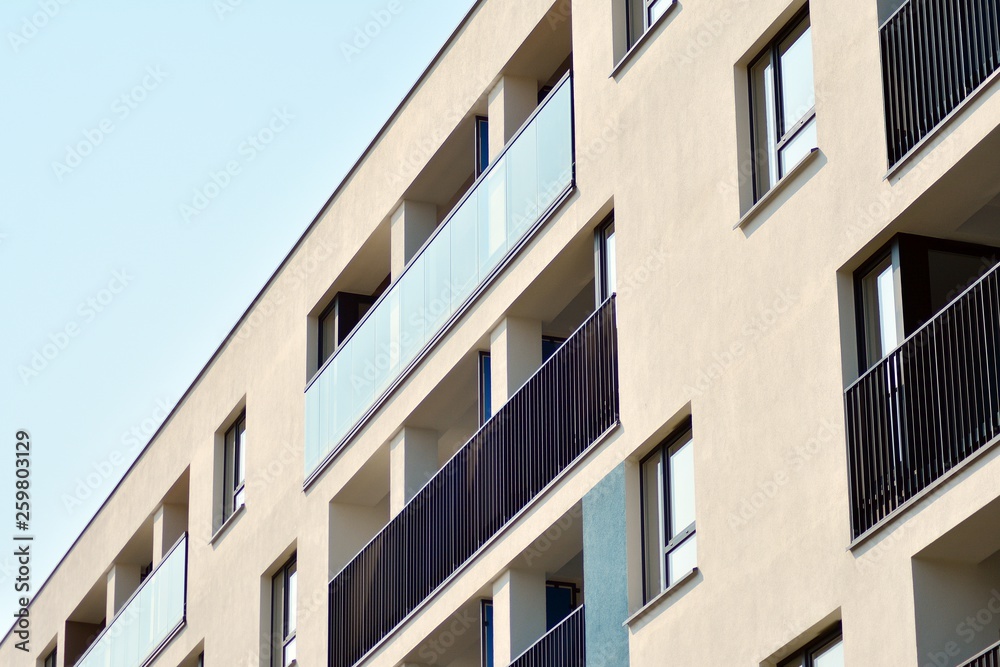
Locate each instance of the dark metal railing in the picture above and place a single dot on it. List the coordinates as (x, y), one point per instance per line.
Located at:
(935, 53)
(926, 407)
(554, 418)
(564, 645)
(988, 658)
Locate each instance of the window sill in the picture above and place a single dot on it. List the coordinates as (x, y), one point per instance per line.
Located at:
(227, 524)
(639, 43)
(657, 602)
(771, 194)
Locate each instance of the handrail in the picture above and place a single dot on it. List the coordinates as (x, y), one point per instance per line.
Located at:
(570, 617)
(384, 348)
(125, 607)
(924, 326)
(437, 230)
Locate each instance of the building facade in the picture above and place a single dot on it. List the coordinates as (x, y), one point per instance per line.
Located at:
(644, 332)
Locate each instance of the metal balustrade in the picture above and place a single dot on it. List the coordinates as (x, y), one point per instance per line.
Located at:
(563, 409)
(508, 201)
(988, 658)
(565, 645)
(151, 617)
(935, 53)
(926, 407)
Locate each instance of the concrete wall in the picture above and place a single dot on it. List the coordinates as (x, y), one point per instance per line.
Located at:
(748, 330)
(605, 570)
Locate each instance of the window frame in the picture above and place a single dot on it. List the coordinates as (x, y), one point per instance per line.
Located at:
(51, 660)
(773, 53)
(647, 5)
(604, 287)
(484, 373)
(678, 438)
(485, 654)
(806, 655)
(234, 485)
(482, 125)
(279, 644)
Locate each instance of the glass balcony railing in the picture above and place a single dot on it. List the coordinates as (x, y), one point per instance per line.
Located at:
(148, 620)
(506, 203)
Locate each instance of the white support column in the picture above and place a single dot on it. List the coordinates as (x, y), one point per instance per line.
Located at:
(411, 224)
(515, 355)
(518, 613)
(510, 103)
(169, 523)
(123, 580)
(413, 460)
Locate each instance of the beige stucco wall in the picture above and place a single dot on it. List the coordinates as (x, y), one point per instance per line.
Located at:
(745, 326)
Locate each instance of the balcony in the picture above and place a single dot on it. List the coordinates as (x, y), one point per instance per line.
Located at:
(564, 645)
(149, 620)
(935, 54)
(988, 658)
(927, 406)
(498, 215)
(570, 402)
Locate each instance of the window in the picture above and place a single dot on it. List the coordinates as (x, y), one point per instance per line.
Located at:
(482, 144)
(284, 595)
(560, 601)
(607, 266)
(50, 659)
(234, 462)
(550, 344)
(670, 548)
(485, 388)
(827, 651)
(486, 634)
(880, 298)
(908, 282)
(782, 106)
(641, 15)
(338, 320)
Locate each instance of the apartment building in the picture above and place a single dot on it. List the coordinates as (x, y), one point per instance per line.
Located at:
(645, 332)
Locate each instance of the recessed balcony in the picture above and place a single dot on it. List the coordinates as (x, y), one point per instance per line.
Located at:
(507, 203)
(556, 416)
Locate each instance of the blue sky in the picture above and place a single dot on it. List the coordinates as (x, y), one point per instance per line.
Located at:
(157, 161)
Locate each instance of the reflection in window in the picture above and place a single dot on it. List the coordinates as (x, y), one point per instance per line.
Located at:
(607, 265)
(284, 615)
(670, 548)
(641, 15)
(782, 106)
(827, 651)
(235, 467)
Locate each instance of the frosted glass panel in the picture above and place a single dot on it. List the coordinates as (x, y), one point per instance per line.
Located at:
(506, 203)
(147, 620)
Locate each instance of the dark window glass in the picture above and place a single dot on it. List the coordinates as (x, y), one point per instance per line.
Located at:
(50, 659)
(482, 144)
(550, 345)
(284, 615)
(607, 266)
(340, 318)
(485, 388)
(486, 638)
(782, 105)
(560, 601)
(670, 547)
(234, 496)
